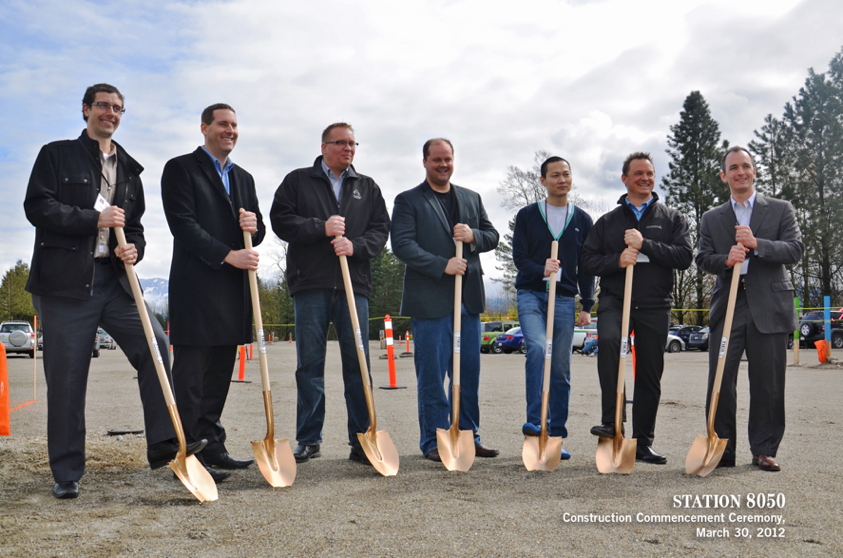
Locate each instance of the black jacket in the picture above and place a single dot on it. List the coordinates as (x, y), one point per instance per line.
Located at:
(210, 303)
(59, 201)
(667, 242)
(302, 204)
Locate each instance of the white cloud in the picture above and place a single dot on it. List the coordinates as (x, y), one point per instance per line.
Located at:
(592, 81)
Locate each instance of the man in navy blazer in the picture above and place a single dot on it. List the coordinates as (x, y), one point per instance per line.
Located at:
(764, 312)
(209, 201)
(426, 222)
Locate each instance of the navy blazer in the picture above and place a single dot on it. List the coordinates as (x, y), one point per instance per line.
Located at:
(210, 303)
(423, 240)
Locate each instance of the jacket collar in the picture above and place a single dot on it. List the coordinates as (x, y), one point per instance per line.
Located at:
(92, 146)
(316, 170)
(210, 172)
(430, 196)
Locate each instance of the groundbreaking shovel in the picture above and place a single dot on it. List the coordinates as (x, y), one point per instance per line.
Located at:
(542, 452)
(274, 457)
(706, 452)
(456, 447)
(617, 454)
(186, 467)
(376, 444)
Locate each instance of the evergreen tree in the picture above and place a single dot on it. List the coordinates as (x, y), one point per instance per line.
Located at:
(814, 116)
(387, 289)
(693, 184)
(15, 302)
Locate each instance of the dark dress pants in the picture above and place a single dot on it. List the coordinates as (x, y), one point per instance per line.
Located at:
(69, 327)
(650, 326)
(202, 376)
(767, 356)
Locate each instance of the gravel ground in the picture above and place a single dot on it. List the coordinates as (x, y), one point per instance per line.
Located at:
(339, 508)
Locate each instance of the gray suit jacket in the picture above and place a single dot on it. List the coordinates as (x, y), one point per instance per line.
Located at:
(423, 240)
(769, 291)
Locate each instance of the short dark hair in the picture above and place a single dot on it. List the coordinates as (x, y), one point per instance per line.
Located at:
(326, 133)
(208, 113)
(91, 94)
(428, 143)
(735, 149)
(551, 160)
(633, 157)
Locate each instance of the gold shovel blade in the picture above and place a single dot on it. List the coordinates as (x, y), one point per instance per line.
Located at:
(275, 461)
(616, 455)
(380, 450)
(195, 477)
(456, 451)
(705, 454)
(537, 460)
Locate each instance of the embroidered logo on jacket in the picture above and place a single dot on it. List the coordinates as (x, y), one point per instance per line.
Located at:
(356, 194)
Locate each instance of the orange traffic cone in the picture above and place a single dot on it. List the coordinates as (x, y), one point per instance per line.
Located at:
(5, 408)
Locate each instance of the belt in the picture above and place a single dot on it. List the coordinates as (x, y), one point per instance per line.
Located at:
(103, 261)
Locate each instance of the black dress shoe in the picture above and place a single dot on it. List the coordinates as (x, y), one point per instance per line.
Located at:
(605, 430)
(65, 490)
(357, 454)
(648, 455)
(162, 453)
(485, 451)
(225, 461)
(433, 455)
(302, 453)
(218, 476)
(726, 462)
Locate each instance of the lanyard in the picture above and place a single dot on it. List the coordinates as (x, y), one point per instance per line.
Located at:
(543, 211)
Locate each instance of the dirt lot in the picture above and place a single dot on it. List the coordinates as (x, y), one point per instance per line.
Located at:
(340, 508)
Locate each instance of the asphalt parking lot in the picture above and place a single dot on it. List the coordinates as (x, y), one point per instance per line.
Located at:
(340, 508)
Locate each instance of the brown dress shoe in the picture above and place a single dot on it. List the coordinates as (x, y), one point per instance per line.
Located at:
(484, 451)
(433, 455)
(765, 463)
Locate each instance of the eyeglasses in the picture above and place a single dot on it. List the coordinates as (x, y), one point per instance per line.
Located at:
(344, 144)
(117, 109)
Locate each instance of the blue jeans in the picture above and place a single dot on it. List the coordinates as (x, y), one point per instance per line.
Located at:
(433, 359)
(532, 314)
(315, 310)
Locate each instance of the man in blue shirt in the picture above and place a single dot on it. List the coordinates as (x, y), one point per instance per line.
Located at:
(536, 227)
(655, 239)
(209, 201)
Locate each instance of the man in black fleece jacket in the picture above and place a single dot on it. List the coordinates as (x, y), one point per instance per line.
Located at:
(655, 239)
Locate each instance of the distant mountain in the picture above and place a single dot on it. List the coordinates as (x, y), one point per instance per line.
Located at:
(155, 292)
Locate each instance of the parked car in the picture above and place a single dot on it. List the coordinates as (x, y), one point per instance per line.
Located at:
(699, 340)
(685, 332)
(489, 332)
(512, 340)
(581, 333)
(812, 327)
(18, 337)
(106, 341)
(674, 343)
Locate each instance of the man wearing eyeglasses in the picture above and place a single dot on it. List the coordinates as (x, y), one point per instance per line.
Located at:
(80, 189)
(209, 202)
(323, 212)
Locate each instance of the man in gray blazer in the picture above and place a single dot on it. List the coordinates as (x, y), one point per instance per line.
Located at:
(426, 221)
(764, 312)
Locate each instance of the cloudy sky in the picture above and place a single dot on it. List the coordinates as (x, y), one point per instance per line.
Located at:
(590, 80)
